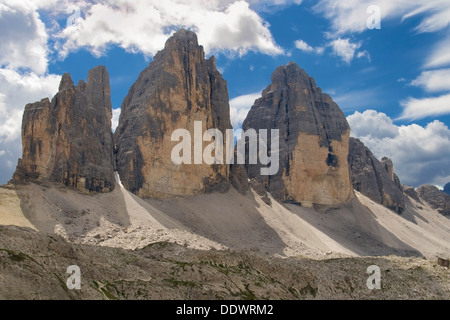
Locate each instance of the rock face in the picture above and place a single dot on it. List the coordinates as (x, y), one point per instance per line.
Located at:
(313, 140)
(68, 140)
(410, 191)
(436, 198)
(373, 178)
(178, 88)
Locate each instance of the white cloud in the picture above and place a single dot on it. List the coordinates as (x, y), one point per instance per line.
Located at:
(344, 49)
(23, 39)
(438, 17)
(228, 27)
(351, 15)
(240, 106)
(373, 124)
(319, 50)
(362, 54)
(16, 90)
(115, 118)
(434, 80)
(303, 46)
(421, 108)
(440, 55)
(421, 155)
(271, 5)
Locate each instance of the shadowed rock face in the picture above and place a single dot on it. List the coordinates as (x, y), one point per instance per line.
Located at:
(411, 192)
(176, 89)
(68, 140)
(436, 198)
(373, 178)
(314, 135)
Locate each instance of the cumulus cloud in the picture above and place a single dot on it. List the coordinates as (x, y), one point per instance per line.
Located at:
(421, 155)
(345, 49)
(363, 54)
(143, 26)
(373, 124)
(240, 106)
(303, 46)
(16, 90)
(421, 108)
(23, 39)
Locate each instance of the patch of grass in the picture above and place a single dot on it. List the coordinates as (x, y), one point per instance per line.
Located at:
(294, 292)
(17, 257)
(308, 289)
(248, 294)
(106, 289)
(108, 294)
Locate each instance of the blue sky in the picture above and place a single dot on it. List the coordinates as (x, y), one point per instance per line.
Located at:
(392, 83)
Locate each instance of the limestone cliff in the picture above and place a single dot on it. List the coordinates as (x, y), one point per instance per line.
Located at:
(437, 199)
(178, 88)
(313, 140)
(68, 139)
(373, 178)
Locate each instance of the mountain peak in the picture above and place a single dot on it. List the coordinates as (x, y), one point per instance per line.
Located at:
(177, 89)
(313, 140)
(66, 82)
(184, 34)
(182, 38)
(68, 139)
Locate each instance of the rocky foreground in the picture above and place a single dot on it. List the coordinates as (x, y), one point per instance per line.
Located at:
(33, 266)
